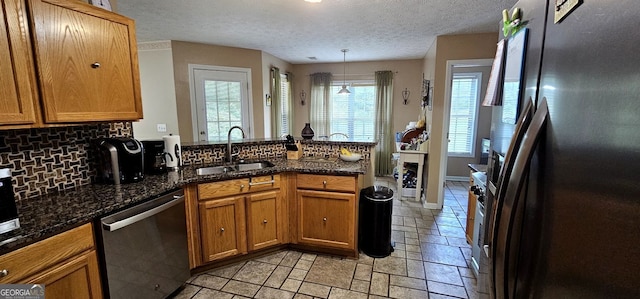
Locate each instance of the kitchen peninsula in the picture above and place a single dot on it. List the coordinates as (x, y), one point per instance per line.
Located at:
(297, 180)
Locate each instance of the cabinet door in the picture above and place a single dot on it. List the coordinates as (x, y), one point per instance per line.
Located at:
(77, 278)
(16, 74)
(326, 219)
(264, 226)
(471, 214)
(87, 62)
(222, 228)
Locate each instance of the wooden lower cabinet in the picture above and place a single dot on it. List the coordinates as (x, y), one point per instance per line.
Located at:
(78, 278)
(240, 216)
(471, 211)
(222, 224)
(66, 264)
(234, 217)
(326, 219)
(263, 219)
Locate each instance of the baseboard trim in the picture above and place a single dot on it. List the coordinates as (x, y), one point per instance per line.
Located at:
(431, 205)
(457, 178)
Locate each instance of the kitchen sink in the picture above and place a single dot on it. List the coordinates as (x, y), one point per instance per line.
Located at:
(254, 166)
(215, 170)
(234, 167)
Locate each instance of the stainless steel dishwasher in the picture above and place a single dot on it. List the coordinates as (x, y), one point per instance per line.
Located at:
(144, 249)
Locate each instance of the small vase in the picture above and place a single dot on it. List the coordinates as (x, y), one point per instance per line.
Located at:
(307, 132)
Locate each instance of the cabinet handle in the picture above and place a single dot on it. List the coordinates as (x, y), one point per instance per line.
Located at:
(324, 183)
(241, 186)
(222, 229)
(95, 65)
(271, 182)
(324, 219)
(4, 272)
(264, 221)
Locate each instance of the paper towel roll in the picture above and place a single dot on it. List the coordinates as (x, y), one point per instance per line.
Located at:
(173, 150)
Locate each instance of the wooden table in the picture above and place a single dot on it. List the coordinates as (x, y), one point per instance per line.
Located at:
(407, 156)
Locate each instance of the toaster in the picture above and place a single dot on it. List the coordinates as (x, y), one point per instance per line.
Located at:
(120, 160)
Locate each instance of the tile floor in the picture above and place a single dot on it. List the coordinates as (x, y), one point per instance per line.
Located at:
(431, 260)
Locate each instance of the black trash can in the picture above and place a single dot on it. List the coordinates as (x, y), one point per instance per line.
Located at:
(376, 206)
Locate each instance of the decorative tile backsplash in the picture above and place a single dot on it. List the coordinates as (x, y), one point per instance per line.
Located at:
(53, 159)
(333, 150)
(213, 154)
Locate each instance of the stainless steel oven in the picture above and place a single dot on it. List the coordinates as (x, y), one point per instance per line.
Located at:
(144, 249)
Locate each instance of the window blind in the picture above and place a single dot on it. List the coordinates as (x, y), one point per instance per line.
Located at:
(465, 95)
(284, 105)
(353, 114)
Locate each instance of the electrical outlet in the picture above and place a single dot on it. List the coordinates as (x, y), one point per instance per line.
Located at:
(161, 128)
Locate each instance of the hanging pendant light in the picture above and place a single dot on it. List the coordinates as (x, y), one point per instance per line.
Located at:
(344, 89)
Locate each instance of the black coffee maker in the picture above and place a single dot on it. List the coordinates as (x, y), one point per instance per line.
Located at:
(154, 157)
(120, 160)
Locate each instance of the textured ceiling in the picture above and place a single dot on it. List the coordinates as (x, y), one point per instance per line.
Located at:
(294, 30)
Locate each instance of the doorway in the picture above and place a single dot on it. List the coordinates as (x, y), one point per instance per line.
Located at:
(456, 66)
(469, 121)
(219, 101)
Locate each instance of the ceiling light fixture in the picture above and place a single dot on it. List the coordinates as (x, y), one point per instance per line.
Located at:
(313, 1)
(344, 89)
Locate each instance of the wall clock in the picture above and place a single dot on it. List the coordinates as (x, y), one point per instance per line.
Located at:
(104, 4)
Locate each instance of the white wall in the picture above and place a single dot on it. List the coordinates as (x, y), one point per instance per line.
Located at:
(158, 91)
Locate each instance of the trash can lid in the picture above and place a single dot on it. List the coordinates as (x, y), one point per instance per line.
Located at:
(377, 193)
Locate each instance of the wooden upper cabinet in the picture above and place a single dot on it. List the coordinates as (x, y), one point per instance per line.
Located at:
(87, 62)
(17, 93)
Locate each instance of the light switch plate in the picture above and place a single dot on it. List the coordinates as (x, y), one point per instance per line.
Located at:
(161, 128)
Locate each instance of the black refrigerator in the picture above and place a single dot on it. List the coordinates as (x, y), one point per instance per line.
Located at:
(565, 201)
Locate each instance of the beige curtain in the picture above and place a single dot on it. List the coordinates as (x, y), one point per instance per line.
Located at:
(320, 100)
(276, 104)
(289, 99)
(384, 123)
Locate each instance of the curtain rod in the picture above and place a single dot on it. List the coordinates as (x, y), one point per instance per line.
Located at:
(364, 74)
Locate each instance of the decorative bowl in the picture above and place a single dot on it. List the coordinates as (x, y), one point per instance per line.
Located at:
(353, 158)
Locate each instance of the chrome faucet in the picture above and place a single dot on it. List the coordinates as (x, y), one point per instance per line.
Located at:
(325, 137)
(229, 155)
(343, 134)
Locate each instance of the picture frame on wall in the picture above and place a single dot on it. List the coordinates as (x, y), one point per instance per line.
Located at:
(427, 94)
(104, 4)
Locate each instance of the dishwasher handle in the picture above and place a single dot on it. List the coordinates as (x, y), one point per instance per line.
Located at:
(138, 213)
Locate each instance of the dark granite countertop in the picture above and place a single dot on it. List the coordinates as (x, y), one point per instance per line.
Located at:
(45, 216)
(478, 167)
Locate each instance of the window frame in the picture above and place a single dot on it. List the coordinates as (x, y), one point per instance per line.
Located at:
(286, 111)
(336, 85)
(196, 95)
(474, 123)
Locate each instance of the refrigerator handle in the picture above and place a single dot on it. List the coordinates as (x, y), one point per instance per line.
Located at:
(510, 226)
(497, 287)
